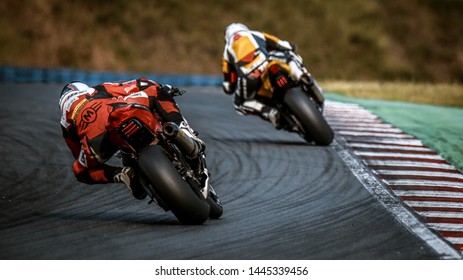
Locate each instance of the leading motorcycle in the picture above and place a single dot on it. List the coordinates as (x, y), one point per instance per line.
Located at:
(171, 166)
(300, 103)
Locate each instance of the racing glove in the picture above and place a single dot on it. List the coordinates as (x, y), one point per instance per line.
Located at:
(285, 45)
(173, 91)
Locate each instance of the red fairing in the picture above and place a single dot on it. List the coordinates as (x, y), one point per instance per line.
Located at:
(123, 114)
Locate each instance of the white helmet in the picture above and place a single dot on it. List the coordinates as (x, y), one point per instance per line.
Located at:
(70, 90)
(233, 28)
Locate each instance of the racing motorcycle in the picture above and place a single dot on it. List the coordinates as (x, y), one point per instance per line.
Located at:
(300, 103)
(171, 167)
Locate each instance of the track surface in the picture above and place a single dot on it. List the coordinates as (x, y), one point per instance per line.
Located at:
(283, 199)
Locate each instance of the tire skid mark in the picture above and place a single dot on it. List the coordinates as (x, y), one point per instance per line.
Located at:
(417, 175)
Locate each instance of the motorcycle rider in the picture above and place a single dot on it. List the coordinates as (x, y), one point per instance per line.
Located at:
(85, 119)
(245, 57)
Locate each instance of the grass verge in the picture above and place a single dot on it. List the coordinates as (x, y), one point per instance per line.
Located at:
(434, 94)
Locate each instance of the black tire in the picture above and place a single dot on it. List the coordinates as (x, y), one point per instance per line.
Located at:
(176, 194)
(215, 205)
(314, 124)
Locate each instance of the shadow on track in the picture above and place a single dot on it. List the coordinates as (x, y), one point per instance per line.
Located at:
(261, 141)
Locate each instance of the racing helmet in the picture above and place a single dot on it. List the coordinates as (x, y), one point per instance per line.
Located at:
(233, 28)
(70, 90)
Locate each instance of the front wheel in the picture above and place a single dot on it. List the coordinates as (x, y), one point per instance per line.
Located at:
(175, 193)
(311, 119)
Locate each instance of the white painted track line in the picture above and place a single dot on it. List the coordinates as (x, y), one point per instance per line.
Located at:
(434, 204)
(390, 147)
(431, 183)
(405, 163)
(421, 173)
(446, 226)
(430, 194)
(441, 214)
(396, 155)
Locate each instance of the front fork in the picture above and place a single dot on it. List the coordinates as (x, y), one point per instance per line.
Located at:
(310, 86)
(307, 82)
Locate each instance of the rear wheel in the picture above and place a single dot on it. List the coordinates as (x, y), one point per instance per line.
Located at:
(215, 204)
(176, 193)
(311, 119)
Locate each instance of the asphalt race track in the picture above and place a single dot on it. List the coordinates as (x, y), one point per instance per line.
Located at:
(283, 198)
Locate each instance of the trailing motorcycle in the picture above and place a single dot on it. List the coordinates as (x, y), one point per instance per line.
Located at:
(171, 167)
(300, 103)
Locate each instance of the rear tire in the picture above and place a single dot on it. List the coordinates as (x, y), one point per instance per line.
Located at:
(312, 121)
(176, 193)
(215, 204)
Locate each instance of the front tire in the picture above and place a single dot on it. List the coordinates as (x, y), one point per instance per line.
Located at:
(311, 119)
(176, 193)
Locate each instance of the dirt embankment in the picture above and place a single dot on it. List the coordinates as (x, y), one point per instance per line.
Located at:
(411, 40)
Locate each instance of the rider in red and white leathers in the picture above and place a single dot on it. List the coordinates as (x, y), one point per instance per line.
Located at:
(85, 121)
(245, 57)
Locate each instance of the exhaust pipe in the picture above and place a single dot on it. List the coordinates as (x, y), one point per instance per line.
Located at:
(181, 139)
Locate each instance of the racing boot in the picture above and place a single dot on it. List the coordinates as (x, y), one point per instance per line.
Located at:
(128, 177)
(272, 115)
(266, 112)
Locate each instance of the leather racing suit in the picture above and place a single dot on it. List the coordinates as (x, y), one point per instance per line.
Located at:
(85, 121)
(243, 61)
